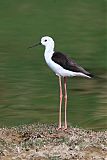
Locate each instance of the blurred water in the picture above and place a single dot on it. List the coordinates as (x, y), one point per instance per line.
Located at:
(30, 95)
(29, 91)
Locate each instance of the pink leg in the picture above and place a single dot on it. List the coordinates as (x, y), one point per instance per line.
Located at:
(65, 97)
(60, 107)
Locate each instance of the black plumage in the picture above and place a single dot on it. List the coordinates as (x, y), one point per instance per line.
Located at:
(68, 63)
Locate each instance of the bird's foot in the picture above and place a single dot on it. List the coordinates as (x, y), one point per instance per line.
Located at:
(65, 128)
(62, 128)
(59, 128)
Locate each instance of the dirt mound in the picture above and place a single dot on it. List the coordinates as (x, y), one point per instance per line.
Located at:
(44, 142)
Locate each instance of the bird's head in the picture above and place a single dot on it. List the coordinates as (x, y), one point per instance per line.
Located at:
(46, 41)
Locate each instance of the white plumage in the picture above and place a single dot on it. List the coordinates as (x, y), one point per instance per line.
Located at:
(59, 70)
(63, 67)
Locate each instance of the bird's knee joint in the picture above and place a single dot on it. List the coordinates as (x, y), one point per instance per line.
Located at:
(65, 97)
(61, 96)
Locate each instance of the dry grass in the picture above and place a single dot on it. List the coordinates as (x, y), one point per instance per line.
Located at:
(44, 142)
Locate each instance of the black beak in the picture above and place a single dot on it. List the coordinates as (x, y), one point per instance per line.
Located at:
(35, 45)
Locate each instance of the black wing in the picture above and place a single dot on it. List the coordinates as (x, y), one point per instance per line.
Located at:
(68, 63)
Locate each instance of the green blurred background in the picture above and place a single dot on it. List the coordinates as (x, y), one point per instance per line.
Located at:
(28, 88)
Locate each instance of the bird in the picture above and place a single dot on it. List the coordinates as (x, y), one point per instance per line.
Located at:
(63, 67)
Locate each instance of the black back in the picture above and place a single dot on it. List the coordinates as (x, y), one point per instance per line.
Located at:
(68, 63)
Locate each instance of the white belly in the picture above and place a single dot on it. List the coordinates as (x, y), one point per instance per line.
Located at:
(60, 71)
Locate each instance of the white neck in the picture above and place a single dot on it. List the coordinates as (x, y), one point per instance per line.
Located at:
(49, 50)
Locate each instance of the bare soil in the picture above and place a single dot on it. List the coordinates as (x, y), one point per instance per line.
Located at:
(44, 142)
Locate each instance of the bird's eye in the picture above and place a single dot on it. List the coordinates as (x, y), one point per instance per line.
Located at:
(45, 40)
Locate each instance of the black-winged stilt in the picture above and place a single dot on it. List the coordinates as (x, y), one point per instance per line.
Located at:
(63, 67)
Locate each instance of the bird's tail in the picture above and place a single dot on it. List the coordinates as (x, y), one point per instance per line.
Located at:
(90, 75)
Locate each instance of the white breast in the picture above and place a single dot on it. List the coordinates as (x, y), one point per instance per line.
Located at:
(59, 71)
